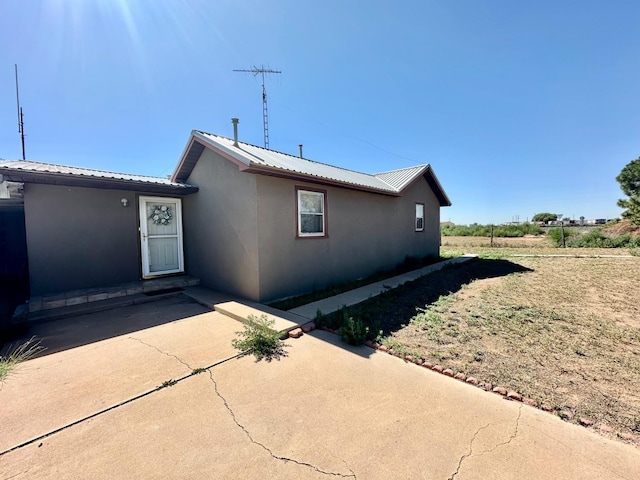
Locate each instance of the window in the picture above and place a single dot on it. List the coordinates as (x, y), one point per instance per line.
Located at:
(311, 213)
(419, 217)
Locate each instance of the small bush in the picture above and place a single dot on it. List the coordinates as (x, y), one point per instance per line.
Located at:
(353, 330)
(17, 354)
(556, 235)
(259, 338)
(477, 230)
(594, 239)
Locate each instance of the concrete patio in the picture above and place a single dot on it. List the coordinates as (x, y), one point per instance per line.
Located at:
(325, 410)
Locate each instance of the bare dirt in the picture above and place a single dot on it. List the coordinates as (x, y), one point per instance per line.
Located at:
(561, 330)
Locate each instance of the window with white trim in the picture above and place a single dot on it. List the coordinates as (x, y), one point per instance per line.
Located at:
(419, 217)
(311, 210)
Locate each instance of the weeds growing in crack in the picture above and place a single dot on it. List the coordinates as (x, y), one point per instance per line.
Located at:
(260, 339)
(267, 449)
(167, 383)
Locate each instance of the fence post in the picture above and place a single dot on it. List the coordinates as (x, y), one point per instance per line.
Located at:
(492, 235)
(564, 245)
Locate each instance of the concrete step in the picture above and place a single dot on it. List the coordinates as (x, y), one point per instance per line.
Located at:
(23, 315)
(91, 295)
(242, 310)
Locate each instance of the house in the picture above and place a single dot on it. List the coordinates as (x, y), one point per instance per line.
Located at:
(244, 220)
(82, 228)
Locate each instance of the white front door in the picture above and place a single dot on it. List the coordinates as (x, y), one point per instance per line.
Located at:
(161, 236)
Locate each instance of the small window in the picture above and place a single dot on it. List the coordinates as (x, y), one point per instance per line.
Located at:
(419, 217)
(311, 207)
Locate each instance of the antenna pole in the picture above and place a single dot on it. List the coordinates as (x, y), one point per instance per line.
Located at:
(265, 111)
(20, 115)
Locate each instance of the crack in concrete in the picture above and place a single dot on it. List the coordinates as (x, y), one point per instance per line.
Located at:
(513, 435)
(267, 449)
(162, 352)
(113, 407)
(466, 455)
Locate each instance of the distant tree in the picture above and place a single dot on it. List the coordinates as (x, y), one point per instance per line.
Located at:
(544, 217)
(629, 180)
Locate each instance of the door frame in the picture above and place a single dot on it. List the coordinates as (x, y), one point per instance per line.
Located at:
(144, 242)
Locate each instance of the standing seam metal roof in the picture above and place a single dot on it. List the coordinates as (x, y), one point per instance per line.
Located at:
(31, 166)
(251, 155)
(261, 160)
(40, 170)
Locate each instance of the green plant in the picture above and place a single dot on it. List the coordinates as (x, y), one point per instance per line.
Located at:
(544, 217)
(259, 338)
(353, 330)
(319, 320)
(477, 230)
(17, 354)
(409, 263)
(596, 238)
(556, 235)
(629, 180)
(167, 383)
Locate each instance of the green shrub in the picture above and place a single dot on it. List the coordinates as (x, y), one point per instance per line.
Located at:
(593, 239)
(477, 230)
(353, 330)
(259, 338)
(556, 235)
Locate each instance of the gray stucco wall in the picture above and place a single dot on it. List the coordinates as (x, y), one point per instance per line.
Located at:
(79, 237)
(367, 233)
(220, 225)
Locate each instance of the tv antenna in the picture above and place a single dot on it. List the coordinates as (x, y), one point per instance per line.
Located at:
(265, 112)
(20, 116)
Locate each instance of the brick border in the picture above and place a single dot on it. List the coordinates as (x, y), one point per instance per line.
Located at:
(511, 395)
(565, 415)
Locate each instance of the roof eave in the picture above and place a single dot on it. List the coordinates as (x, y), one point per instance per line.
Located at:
(435, 185)
(192, 152)
(276, 172)
(433, 182)
(49, 178)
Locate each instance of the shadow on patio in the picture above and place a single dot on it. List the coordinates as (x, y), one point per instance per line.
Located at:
(84, 329)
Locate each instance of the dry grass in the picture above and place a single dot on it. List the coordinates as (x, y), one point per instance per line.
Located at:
(563, 331)
(17, 354)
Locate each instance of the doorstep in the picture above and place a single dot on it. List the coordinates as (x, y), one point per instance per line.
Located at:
(76, 302)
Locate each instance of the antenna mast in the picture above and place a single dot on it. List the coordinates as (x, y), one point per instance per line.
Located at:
(265, 111)
(20, 116)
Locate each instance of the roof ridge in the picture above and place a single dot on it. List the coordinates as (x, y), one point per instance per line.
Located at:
(291, 155)
(401, 169)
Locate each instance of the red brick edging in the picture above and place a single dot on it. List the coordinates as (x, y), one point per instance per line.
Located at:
(503, 392)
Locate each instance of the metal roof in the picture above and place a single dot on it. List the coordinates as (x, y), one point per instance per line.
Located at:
(262, 160)
(47, 173)
(399, 179)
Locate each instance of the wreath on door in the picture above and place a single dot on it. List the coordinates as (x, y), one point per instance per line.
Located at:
(161, 215)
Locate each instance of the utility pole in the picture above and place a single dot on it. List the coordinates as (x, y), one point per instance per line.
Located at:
(265, 112)
(20, 116)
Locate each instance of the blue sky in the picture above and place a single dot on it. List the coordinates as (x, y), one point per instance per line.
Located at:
(520, 107)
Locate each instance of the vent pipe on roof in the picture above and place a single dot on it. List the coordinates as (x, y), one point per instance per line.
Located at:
(235, 122)
(300, 147)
